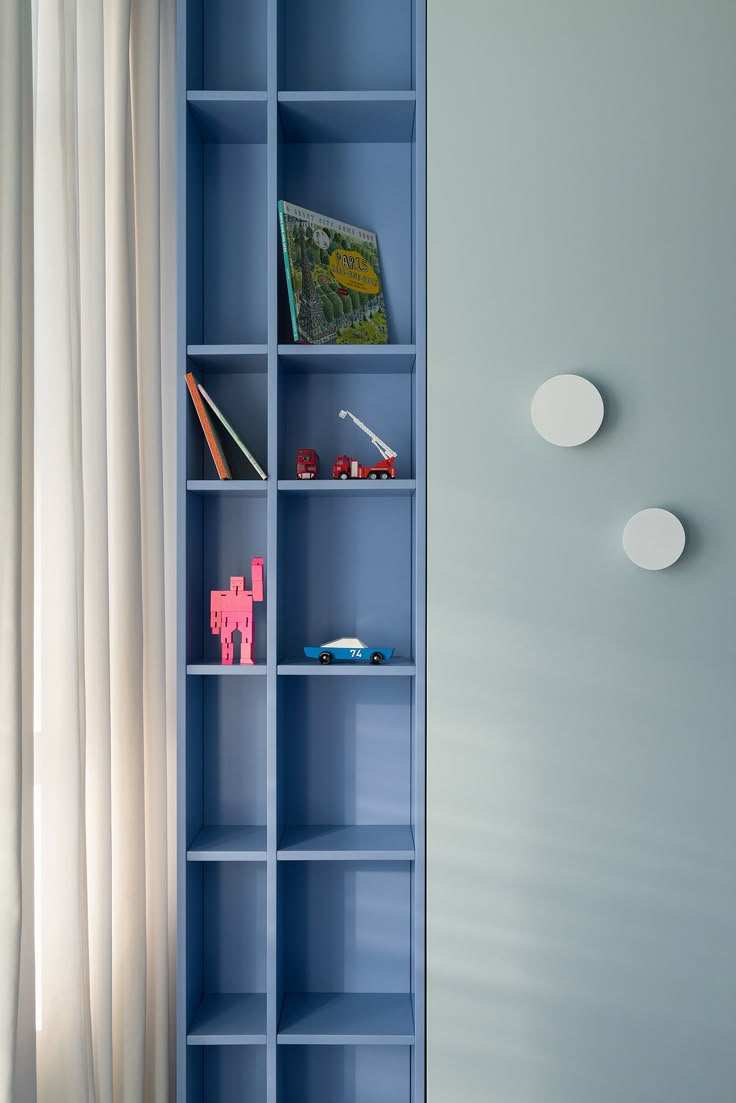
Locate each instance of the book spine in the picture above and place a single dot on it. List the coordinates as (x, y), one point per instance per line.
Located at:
(287, 267)
(220, 462)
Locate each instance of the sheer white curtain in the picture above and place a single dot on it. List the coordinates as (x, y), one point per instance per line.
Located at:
(16, 551)
(103, 203)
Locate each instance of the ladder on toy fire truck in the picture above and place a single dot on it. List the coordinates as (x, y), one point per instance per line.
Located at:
(383, 448)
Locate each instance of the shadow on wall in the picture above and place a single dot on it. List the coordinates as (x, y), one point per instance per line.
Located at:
(581, 887)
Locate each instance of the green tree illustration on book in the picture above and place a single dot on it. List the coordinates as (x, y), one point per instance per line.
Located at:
(333, 276)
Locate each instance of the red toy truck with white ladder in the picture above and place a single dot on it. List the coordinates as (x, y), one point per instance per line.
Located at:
(346, 467)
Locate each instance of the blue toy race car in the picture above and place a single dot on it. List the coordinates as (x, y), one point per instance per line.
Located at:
(349, 650)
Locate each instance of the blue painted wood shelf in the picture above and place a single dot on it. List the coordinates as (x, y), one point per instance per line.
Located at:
(235, 358)
(347, 116)
(228, 843)
(342, 359)
(229, 117)
(220, 670)
(301, 787)
(233, 488)
(346, 1019)
(349, 488)
(397, 668)
(229, 1019)
(357, 842)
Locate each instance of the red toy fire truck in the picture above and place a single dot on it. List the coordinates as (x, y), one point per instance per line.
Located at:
(307, 464)
(346, 467)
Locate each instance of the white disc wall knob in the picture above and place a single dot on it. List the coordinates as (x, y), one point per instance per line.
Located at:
(654, 539)
(567, 410)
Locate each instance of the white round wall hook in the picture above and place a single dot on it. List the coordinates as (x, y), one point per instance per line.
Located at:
(567, 410)
(654, 539)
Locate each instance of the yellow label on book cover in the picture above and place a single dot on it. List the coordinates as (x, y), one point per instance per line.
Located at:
(353, 271)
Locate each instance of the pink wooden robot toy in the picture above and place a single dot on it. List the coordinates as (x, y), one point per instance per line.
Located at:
(232, 610)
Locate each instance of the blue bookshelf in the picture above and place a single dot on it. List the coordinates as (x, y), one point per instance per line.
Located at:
(301, 819)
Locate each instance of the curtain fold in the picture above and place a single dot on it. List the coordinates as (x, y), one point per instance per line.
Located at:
(16, 551)
(126, 617)
(92, 254)
(146, 113)
(103, 274)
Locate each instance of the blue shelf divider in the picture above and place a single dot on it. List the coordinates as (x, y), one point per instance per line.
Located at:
(301, 819)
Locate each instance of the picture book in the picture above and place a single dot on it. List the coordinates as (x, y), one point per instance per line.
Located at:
(246, 452)
(209, 430)
(333, 277)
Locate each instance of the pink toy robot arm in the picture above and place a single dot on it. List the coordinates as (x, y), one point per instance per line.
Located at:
(257, 572)
(216, 597)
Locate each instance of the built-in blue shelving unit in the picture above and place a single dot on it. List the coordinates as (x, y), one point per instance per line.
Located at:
(301, 819)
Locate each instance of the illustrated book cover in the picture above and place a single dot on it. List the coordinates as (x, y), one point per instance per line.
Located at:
(210, 431)
(333, 277)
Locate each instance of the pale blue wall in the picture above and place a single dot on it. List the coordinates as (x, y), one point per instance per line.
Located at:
(582, 712)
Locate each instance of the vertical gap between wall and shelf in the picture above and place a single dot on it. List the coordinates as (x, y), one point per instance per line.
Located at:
(420, 689)
(272, 534)
(181, 896)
